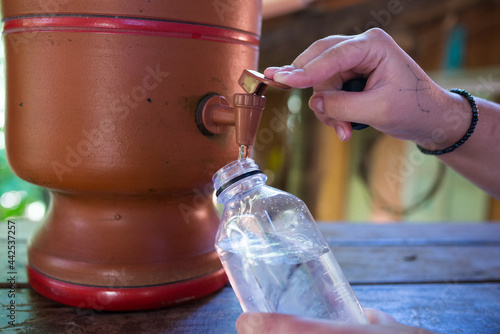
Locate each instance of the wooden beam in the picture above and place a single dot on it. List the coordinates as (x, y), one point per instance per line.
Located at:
(494, 214)
(332, 163)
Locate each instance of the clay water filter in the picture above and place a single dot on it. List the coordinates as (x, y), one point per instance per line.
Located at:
(100, 110)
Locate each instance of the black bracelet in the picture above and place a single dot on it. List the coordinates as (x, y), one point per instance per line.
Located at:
(475, 117)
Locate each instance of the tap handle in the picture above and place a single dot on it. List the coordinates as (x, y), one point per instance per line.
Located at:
(356, 85)
(256, 83)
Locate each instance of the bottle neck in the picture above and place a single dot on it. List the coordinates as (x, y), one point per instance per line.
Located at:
(241, 186)
(237, 177)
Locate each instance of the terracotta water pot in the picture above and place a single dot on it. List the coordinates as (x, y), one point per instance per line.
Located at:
(101, 100)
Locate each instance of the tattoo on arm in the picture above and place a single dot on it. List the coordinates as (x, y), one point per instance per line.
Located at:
(420, 85)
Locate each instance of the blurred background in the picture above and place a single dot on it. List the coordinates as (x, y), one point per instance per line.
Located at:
(371, 178)
(374, 177)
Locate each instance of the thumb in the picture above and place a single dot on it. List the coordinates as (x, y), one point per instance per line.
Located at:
(346, 106)
(251, 323)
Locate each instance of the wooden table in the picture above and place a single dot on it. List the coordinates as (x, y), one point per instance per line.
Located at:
(443, 277)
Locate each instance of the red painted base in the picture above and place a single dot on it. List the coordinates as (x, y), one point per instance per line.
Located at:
(103, 298)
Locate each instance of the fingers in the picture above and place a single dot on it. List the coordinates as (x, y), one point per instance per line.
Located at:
(345, 55)
(249, 323)
(317, 48)
(270, 71)
(309, 54)
(379, 317)
(264, 323)
(275, 323)
(343, 129)
(330, 62)
(338, 108)
(349, 55)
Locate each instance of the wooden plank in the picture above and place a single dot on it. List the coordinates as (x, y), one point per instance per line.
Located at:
(36, 314)
(387, 264)
(388, 253)
(442, 308)
(368, 254)
(419, 264)
(411, 234)
(447, 308)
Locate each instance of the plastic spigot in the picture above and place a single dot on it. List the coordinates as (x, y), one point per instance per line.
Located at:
(256, 83)
(214, 113)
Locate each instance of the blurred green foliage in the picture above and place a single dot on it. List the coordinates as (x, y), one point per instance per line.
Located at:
(20, 193)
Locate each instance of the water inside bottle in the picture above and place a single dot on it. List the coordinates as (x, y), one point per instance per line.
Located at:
(288, 274)
(245, 152)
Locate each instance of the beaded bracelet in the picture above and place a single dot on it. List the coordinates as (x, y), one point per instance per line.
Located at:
(475, 117)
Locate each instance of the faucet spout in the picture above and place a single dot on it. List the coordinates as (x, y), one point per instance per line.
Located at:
(214, 113)
(248, 112)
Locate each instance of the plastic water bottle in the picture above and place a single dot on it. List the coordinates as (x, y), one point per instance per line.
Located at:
(273, 253)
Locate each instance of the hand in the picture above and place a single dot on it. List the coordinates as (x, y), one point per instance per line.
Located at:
(274, 323)
(399, 98)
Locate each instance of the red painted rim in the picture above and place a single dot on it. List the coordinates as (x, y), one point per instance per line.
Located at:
(122, 25)
(125, 299)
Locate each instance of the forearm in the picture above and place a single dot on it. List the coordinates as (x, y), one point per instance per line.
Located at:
(478, 159)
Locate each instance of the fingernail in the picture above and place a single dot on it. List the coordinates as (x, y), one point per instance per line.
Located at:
(340, 132)
(270, 71)
(317, 104)
(284, 68)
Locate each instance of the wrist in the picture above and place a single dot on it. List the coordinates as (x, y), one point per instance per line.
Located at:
(451, 125)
